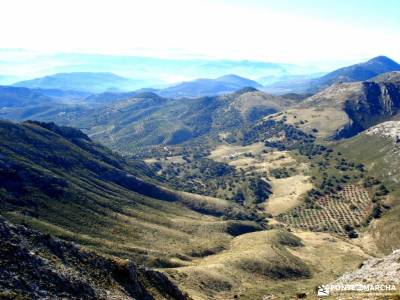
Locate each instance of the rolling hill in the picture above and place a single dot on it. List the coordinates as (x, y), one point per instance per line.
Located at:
(18, 103)
(108, 98)
(125, 121)
(148, 119)
(21, 97)
(292, 84)
(83, 82)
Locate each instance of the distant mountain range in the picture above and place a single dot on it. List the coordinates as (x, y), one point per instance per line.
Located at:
(109, 86)
(207, 106)
(357, 72)
(20, 103)
(153, 72)
(89, 82)
(208, 87)
(65, 98)
(159, 74)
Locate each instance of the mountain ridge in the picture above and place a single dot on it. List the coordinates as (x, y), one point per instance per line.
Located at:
(92, 82)
(154, 120)
(208, 87)
(358, 72)
(344, 109)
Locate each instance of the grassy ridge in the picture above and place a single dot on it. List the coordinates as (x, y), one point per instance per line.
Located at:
(57, 180)
(149, 120)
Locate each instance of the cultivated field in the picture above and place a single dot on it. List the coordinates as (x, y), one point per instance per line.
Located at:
(351, 206)
(287, 193)
(226, 153)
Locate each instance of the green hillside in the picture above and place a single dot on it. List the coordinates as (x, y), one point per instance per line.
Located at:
(378, 150)
(149, 120)
(57, 180)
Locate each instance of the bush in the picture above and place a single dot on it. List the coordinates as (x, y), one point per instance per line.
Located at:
(377, 212)
(352, 234)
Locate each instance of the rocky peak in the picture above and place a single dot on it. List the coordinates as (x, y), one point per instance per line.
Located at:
(383, 61)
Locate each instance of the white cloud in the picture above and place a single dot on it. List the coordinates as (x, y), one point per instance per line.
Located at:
(183, 28)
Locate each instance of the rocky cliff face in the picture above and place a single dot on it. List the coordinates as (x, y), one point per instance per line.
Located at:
(38, 266)
(344, 109)
(376, 102)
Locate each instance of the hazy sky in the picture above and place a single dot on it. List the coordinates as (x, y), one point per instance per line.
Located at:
(297, 31)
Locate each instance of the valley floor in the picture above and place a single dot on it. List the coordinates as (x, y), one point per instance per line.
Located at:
(261, 263)
(283, 263)
(237, 222)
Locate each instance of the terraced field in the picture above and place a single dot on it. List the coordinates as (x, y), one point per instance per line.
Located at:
(337, 213)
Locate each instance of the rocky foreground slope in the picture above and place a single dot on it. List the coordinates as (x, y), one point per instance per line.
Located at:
(389, 129)
(38, 266)
(376, 278)
(384, 270)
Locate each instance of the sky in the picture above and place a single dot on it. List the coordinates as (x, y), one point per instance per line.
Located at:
(297, 31)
